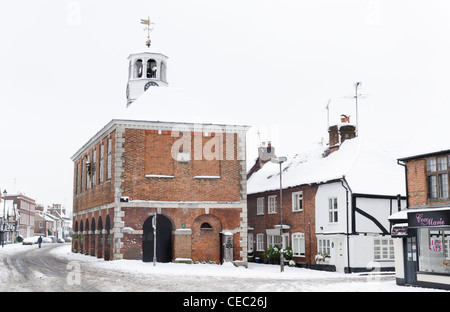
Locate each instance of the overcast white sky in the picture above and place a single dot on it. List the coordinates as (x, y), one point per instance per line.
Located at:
(273, 65)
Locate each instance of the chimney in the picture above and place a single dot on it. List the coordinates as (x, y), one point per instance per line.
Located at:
(339, 133)
(264, 155)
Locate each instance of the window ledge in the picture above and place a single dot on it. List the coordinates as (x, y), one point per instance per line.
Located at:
(207, 177)
(159, 176)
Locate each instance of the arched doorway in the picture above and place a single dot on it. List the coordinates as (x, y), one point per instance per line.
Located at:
(163, 239)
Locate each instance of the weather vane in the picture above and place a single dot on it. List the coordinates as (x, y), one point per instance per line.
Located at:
(148, 29)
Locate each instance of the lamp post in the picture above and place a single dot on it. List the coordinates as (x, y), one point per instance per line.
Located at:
(280, 160)
(5, 193)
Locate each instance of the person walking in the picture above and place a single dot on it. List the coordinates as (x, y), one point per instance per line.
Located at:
(40, 241)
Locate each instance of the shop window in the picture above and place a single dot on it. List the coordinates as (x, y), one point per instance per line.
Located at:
(437, 178)
(434, 253)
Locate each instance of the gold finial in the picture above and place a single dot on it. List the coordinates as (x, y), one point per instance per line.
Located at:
(148, 29)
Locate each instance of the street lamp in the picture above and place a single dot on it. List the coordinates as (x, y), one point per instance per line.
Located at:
(5, 193)
(280, 160)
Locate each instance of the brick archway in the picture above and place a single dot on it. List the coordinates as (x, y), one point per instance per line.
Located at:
(163, 239)
(206, 239)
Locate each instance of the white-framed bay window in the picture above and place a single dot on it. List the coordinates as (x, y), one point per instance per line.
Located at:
(273, 238)
(324, 246)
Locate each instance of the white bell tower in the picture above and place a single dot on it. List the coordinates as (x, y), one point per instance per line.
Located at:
(146, 69)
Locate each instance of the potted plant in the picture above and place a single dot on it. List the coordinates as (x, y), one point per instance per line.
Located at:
(250, 256)
(287, 254)
(322, 257)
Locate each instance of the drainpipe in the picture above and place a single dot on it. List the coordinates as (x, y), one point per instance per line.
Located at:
(406, 181)
(346, 212)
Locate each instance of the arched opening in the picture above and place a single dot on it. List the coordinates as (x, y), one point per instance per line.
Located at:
(162, 72)
(107, 239)
(86, 239)
(138, 69)
(75, 238)
(163, 239)
(151, 68)
(80, 237)
(93, 238)
(206, 226)
(100, 237)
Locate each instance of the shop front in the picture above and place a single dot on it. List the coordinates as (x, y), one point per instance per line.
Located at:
(425, 248)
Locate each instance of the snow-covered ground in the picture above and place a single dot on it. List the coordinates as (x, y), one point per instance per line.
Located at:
(191, 277)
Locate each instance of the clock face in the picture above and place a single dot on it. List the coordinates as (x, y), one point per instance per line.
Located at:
(149, 84)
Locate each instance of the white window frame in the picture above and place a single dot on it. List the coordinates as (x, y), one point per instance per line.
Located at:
(297, 201)
(324, 246)
(260, 246)
(383, 249)
(260, 206)
(298, 244)
(272, 204)
(333, 210)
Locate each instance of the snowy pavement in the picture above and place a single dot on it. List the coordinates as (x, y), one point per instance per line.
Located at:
(92, 274)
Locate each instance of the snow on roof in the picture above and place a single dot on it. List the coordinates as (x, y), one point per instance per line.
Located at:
(424, 144)
(366, 168)
(180, 105)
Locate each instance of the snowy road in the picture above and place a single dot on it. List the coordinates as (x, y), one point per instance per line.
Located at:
(55, 268)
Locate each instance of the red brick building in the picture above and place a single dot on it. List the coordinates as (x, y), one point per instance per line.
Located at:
(193, 180)
(422, 231)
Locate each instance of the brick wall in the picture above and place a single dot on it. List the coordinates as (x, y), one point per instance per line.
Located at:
(189, 240)
(85, 195)
(148, 153)
(417, 184)
(300, 221)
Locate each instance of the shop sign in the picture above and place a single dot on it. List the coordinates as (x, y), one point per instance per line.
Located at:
(399, 231)
(429, 218)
